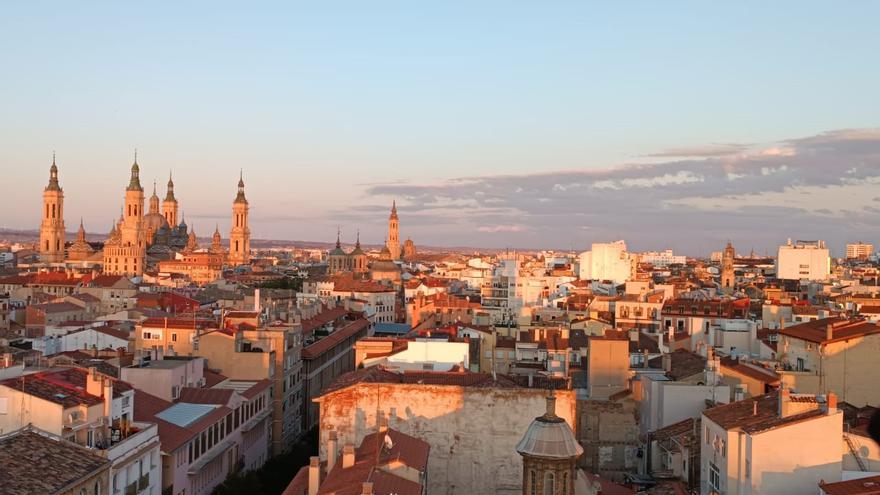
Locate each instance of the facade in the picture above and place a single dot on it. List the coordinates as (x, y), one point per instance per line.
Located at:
(832, 354)
(341, 262)
(777, 443)
(240, 235)
(803, 260)
(52, 226)
(608, 261)
(859, 251)
(662, 258)
(201, 266)
(125, 249)
(472, 421)
(271, 352)
(209, 433)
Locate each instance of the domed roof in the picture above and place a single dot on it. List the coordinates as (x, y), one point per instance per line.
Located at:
(549, 437)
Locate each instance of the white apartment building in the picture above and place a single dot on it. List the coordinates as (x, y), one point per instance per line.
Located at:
(803, 260)
(779, 443)
(662, 258)
(606, 261)
(859, 251)
(92, 410)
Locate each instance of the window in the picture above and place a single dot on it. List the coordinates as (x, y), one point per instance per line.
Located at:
(533, 483)
(173, 337)
(549, 483)
(714, 477)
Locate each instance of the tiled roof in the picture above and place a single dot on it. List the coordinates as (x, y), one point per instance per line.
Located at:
(105, 281)
(206, 395)
(684, 364)
(187, 323)
(675, 429)
(65, 387)
(335, 338)
(256, 388)
(34, 462)
(323, 318)
(212, 378)
(372, 454)
(57, 307)
(841, 329)
(744, 415)
(861, 486)
(750, 370)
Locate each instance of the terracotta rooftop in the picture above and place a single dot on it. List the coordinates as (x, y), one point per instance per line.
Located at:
(750, 370)
(64, 387)
(32, 461)
(684, 364)
(861, 486)
(336, 337)
(322, 318)
(744, 415)
(370, 457)
(841, 329)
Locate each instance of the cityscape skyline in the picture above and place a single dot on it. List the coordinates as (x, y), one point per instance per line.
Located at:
(715, 190)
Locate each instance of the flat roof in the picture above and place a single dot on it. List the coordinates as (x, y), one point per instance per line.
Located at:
(183, 414)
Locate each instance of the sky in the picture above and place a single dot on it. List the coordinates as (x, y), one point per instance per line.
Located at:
(493, 124)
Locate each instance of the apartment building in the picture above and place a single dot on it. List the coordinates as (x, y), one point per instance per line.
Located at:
(92, 410)
(248, 350)
(834, 354)
(209, 434)
(779, 443)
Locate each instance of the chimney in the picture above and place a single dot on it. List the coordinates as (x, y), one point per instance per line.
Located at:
(257, 300)
(107, 385)
(314, 475)
(367, 488)
(831, 403)
(829, 331)
(347, 456)
(667, 362)
(331, 450)
(784, 403)
(160, 353)
(383, 425)
(94, 385)
(634, 335)
(645, 358)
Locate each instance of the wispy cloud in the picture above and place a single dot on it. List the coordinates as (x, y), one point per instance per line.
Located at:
(761, 194)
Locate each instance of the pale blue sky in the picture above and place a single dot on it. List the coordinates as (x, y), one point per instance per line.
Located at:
(323, 103)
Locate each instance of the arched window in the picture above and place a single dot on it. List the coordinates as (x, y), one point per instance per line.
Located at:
(549, 483)
(533, 483)
(97, 489)
(565, 483)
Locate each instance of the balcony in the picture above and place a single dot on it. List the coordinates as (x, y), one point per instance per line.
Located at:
(138, 436)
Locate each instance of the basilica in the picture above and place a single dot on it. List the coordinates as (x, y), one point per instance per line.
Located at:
(139, 240)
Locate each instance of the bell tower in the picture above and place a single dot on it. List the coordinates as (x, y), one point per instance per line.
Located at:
(728, 279)
(169, 205)
(393, 242)
(52, 226)
(240, 235)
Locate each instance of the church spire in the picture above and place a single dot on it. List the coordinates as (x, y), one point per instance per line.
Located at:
(357, 243)
(135, 182)
(338, 240)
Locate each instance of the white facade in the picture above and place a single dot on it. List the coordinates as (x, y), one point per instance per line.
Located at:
(859, 250)
(606, 261)
(803, 260)
(432, 355)
(662, 258)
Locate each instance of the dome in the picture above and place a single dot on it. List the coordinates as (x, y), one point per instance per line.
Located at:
(154, 221)
(549, 437)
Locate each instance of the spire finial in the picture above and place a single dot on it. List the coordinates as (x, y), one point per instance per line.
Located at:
(357, 243)
(154, 187)
(53, 157)
(338, 234)
(135, 156)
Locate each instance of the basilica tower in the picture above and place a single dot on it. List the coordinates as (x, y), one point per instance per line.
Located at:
(728, 279)
(240, 235)
(52, 226)
(393, 242)
(125, 252)
(169, 205)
